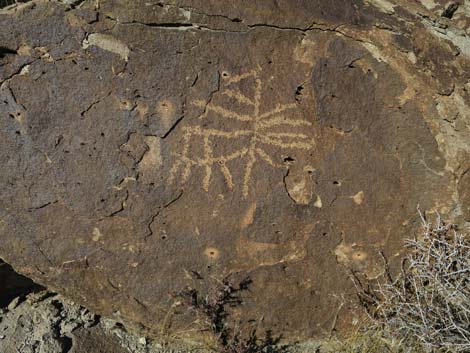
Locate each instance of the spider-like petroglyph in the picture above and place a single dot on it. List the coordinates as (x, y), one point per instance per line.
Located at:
(265, 129)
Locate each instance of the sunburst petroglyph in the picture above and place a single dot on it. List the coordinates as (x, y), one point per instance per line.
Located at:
(265, 129)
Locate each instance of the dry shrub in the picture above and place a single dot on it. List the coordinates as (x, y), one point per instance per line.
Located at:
(429, 302)
(213, 308)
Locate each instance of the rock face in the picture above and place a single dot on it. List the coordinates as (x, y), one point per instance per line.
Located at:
(147, 146)
(47, 323)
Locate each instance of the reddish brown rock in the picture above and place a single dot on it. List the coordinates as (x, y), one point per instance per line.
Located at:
(149, 145)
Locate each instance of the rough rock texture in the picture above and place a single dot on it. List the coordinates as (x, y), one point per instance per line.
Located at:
(45, 322)
(152, 145)
(41, 324)
(48, 323)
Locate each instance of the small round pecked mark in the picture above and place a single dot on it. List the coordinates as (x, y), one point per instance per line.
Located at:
(212, 253)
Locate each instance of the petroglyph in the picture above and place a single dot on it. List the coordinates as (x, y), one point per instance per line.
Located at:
(108, 43)
(262, 130)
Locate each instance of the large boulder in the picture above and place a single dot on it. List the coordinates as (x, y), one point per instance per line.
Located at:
(147, 146)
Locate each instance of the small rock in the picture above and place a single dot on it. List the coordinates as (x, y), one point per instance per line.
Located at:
(72, 2)
(14, 303)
